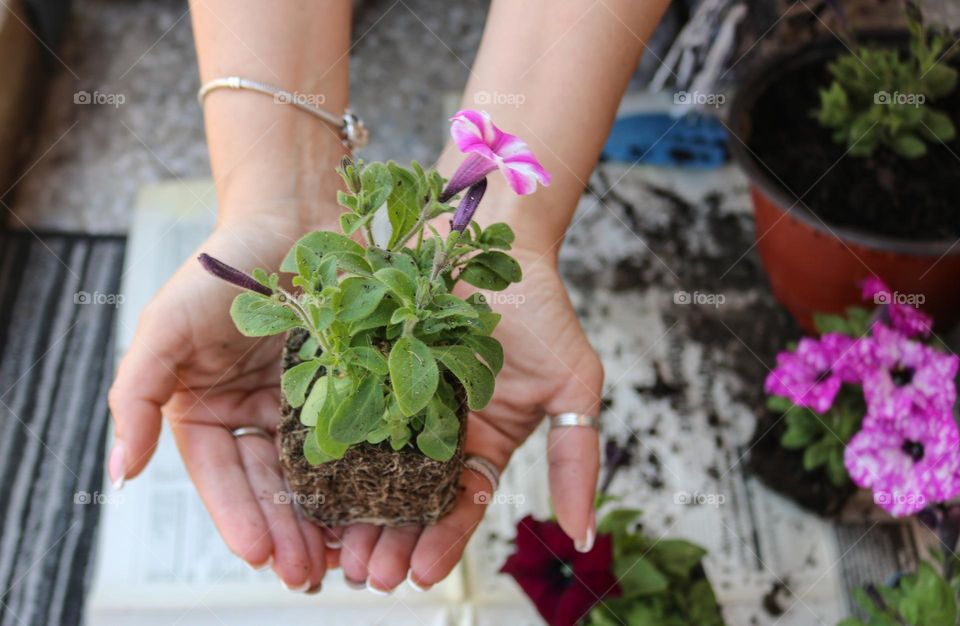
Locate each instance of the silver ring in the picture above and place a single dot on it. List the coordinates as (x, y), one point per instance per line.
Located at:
(574, 419)
(485, 468)
(251, 430)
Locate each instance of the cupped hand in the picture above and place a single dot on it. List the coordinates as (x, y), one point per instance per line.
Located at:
(188, 359)
(549, 367)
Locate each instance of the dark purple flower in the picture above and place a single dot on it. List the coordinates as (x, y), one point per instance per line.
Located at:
(232, 275)
(907, 456)
(812, 375)
(563, 584)
(900, 370)
(468, 206)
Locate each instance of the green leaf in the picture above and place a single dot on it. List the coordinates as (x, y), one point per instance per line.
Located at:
(909, 146)
(441, 432)
(376, 183)
(502, 264)
(497, 235)
(402, 315)
(317, 398)
(308, 350)
(352, 263)
(639, 576)
(677, 557)
(476, 378)
(413, 374)
(397, 282)
(307, 261)
(938, 126)
(321, 243)
(296, 380)
(489, 350)
(779, 404)
(312, 451)
(379, 318)
(816, 455)
(826, 323)
(256, 315)
(380, 259)
(370, 359)
(351, 222)
(403, 207)
(445, 305)
(618, 521)
(360, 298)
(359, 413)
(482, 277)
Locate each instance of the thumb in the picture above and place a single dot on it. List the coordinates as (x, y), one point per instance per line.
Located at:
(573, 453)
(144, 382)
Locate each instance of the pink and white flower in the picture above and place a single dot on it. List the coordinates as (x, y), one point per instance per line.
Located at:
(488, 148)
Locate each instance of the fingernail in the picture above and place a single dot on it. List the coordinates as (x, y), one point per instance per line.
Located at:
(354, 584)
(586, 544)
(261, 566)
(333, 544)
(115, 466)
(377, 592)
(314, 590)
(414, 584)
(298, 589)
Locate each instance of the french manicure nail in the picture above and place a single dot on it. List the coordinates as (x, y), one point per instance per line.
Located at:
(333, 544)
(377, 592)
(414, 584)
(116, 466)
(354, 584)
(586, 544)
(262, 566)
(314, 590)
(297, 589)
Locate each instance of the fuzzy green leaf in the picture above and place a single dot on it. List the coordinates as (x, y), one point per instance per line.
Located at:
(413, 374)
(639, 576)
(502, 264)
(296, 381)
(476, 378)
(359, 413)
(376, 183)
(403, 207)
(482, 277)
(360, 298)
(397, 282)
(256, 315)
(489, 350)
(321, 243)
(380, 259)
(370, 359)
(441, 432)
(497, 235)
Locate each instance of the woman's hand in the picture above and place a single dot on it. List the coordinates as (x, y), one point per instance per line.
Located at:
(549, 367)
(188, 359)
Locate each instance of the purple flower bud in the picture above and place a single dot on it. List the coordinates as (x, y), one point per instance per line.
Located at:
(468, 206)
(473, 169)
(232, 275)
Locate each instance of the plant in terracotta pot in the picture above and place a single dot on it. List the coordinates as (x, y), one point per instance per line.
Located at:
(869, 403)
(850, 149)
(384, 353)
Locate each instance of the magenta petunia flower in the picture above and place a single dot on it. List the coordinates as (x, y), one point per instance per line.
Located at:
(488, 148)
(563, 584)
(812, 375)
(903, 317)
(908, 462)
(905, 371)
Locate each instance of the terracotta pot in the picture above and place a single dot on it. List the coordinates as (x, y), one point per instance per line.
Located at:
(814, 266)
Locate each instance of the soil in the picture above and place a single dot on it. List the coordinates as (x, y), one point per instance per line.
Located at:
(782, 470)
(885, 194)
(371, 483)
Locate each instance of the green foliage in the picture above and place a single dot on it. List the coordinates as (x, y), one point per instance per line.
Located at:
(389, 343)
(662, 580)
(822, 438)
(923, 598)
(881, 97)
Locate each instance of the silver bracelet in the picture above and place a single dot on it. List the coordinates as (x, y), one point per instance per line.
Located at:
(353, 133)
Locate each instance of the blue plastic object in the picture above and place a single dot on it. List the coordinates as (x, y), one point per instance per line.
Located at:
(696, 141)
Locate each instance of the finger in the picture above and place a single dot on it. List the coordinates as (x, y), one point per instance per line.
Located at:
(441, 545)
(213, 462)
(333, 537)
(333, 559)
(390, 560)
(291, 559)
(144, 382)
(313, 539)
(573, 453)
(358, 543)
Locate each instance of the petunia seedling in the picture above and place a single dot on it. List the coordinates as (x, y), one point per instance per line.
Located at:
(392, 353)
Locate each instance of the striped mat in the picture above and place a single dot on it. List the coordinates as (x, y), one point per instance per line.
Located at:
(58, 297)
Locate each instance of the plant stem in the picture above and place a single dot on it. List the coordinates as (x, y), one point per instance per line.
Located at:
(369, 231)
(417, 228)
(294, 305)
